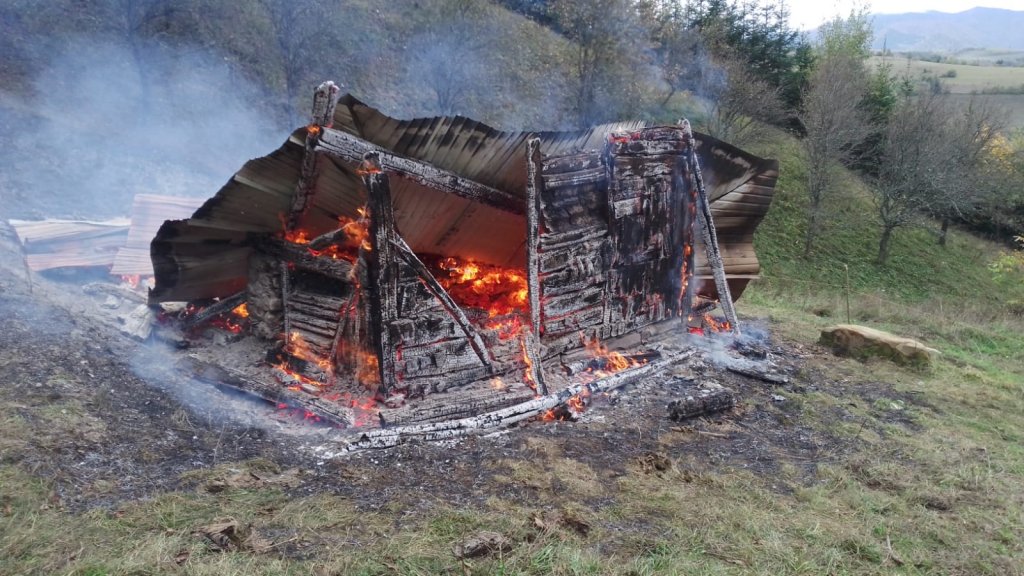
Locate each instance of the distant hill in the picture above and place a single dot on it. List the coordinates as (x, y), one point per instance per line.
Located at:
(942, 32)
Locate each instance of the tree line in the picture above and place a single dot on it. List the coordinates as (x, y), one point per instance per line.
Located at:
(736, 68)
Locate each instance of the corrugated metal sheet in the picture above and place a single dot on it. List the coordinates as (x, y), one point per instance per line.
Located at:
(257, 198)
(149, 212)
(52, 244)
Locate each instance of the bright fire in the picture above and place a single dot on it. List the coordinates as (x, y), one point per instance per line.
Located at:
(613, 361)
(497, 290)
(356, 236)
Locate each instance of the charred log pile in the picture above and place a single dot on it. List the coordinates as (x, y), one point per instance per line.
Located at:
(406, 258)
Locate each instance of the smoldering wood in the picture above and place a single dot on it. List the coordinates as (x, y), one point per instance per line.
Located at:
(342, 324)
(210, 312)
(468, 404)
(381, 269)
(765, 374)
(298, 254)
(285, 276)
(573, 179)
(405, 252)
(701, 402)
(534, 184)
(325, 99)
(351, 149)
(263, 296)
(482, 423)
(710, 239)
(330, 412)
(573, 162)
(531, 347)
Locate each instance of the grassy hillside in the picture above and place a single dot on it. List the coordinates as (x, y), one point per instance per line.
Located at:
(946, 294)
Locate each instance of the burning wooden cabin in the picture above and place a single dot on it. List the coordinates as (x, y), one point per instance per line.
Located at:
(421, 255)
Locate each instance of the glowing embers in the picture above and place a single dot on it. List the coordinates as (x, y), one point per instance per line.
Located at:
(344, 243)
(499, 291)
(606, 362)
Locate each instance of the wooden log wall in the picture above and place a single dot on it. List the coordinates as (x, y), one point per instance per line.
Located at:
(646, 216)
(574, 248)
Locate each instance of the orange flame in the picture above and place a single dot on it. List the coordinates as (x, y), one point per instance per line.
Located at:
(297, 346)
(497, 290)
(242, 310)
(529, 367)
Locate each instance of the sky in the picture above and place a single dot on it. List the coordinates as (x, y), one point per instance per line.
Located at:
(807, 14)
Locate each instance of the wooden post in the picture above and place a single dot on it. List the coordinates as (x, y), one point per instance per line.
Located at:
(325, 99)
(534, 184)
(708, 232)
(380, 264)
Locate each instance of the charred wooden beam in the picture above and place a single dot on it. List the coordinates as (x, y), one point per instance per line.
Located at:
(393, 436)
(352, 150)
(299, 255)
(534, 184)
(331, 412)
(325, 98)
(703, 401)
(213, 310)
(406, 253)
(708, 232)
(381, 268)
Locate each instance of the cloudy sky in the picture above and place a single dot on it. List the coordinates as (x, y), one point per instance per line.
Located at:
(810, 13)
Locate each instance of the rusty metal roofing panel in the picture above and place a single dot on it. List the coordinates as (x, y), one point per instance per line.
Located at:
(431, 221)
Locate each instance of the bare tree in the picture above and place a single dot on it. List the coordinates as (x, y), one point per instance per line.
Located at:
(832, 116)
(972, 130)
(916, 164)
(610, 55)
(449, 56)
(737, 105)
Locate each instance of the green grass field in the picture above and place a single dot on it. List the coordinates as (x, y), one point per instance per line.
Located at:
(967, 79)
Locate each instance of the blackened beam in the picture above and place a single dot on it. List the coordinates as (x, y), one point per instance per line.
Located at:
(325, 99)
(708, 232)
(352, 149)
(299, 255)
(381, 268)
(534, 184)
(410, 257)
(221, 306)
(482, 423)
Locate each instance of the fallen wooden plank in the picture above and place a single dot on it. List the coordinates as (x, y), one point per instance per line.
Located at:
(449, 429)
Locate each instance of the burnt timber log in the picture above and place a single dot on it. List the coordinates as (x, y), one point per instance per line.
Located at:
(213, 310)
(352, 150)
(489, 421)
(381, 270)
(325, 99)
(702, 401)
(441, 294)
(710, 237)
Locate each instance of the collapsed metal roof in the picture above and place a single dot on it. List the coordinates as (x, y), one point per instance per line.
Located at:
(206, 255)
